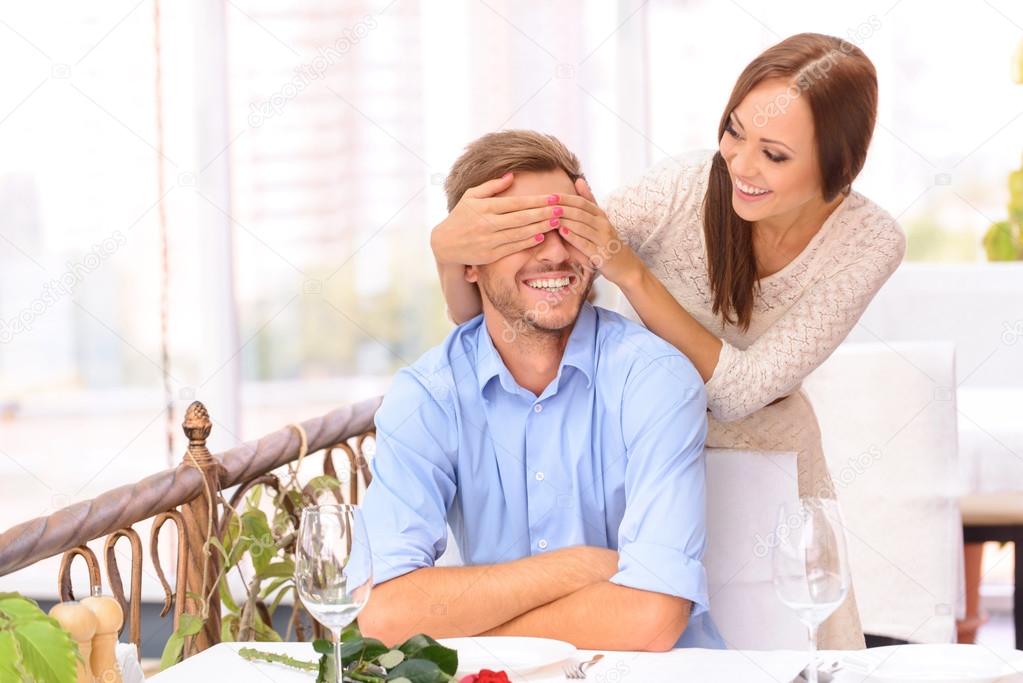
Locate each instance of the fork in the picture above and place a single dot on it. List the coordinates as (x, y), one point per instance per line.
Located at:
(578, 671)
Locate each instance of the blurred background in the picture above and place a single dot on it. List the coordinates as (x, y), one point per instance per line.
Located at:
(231, 201)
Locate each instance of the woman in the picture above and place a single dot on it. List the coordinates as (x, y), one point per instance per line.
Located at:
(754, 261)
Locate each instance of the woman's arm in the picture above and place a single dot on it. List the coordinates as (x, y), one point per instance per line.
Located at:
(462, 297)
(797, 343)
(740, 382)
(586, 227)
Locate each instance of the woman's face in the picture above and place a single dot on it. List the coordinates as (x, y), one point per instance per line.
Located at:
(771, 153)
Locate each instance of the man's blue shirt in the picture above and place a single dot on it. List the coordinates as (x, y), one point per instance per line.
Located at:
(609, 455)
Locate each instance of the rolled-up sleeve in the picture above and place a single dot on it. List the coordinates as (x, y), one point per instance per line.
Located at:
(413, 485)
(662, 537)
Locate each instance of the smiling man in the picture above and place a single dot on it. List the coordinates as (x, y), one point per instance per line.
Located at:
(561, 443)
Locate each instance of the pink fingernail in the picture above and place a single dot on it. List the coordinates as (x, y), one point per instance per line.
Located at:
(554, 222)
(506, 175)
(558, 211)
(553, 199)
(538, 237)
(564, 231)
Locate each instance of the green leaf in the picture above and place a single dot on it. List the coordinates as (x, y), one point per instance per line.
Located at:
(351, 632)
(229, 628)
(362, 648)
(443, 657)
(262, 545)
(280, 596)
(418, 671)
(1000, 242)
(9, 658)
(188, 626)
(416, 643)
(264, 632)
(226, 598)
(19, 609)
(47, 650)
(272, 586)
(323, 647)
(391, 659)
(317, 486)
(284, 569)
(255, 495)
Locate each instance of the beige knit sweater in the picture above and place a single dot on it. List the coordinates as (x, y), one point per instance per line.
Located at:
(802, 312)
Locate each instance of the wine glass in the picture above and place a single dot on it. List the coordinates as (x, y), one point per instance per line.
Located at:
(333, 567)
(809, 563)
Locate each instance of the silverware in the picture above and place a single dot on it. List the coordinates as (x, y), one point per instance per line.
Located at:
(578, 671)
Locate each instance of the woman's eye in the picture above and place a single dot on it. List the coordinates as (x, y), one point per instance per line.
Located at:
(776, 158)
(731, 131)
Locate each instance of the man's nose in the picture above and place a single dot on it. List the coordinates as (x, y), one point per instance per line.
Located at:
(553, 248)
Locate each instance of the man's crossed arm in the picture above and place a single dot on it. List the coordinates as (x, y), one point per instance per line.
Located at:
(564, 594)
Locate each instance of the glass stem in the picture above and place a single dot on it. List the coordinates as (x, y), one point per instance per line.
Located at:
(812, 670)
(337, 655)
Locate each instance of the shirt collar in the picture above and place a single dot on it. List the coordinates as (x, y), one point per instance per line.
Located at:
(580, 353)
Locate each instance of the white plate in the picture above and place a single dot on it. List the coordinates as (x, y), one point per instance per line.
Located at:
(506, 653)
(932, 664)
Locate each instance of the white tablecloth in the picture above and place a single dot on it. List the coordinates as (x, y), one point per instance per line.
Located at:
(222, 663)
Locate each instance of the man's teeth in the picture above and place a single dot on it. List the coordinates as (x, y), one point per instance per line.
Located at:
(551, 283)
(749, 189)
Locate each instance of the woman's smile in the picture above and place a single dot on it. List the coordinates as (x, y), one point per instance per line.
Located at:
(749, 192)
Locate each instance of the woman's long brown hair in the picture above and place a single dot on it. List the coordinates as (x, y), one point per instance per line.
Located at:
(840, 85)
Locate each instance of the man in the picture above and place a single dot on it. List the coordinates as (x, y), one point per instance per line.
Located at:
(562, 444)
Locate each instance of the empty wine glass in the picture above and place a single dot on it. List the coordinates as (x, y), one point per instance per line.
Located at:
(333, 567)
(810, 565)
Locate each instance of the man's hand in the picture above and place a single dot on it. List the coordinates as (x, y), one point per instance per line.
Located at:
(483, 228)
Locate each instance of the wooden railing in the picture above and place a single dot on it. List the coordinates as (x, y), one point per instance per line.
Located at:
(188, 496)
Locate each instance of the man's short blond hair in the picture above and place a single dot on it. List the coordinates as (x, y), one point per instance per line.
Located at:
(495, 154)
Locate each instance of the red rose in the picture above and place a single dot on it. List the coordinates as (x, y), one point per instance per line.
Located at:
(486, 676)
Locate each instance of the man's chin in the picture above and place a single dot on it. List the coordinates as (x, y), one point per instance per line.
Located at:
(555, 318)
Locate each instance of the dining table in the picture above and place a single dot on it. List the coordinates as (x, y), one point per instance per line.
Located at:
(691, 665)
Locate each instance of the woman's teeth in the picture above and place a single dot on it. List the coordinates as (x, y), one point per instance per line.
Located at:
(749, 189)
(550, 284)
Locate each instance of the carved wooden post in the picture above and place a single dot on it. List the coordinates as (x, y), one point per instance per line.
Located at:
(200, 516)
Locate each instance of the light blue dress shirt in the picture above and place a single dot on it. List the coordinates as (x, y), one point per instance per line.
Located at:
(609, 455)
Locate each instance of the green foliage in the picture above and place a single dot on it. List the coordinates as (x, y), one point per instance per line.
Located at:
(33, 646)
(189, 625)
(420, 659)
(259, 547)
(1003, 241)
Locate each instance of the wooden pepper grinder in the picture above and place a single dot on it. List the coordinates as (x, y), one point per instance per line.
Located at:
(81, 623)
(110, 617)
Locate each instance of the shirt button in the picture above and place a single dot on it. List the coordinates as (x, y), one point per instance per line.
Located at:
(538, 407)
(542, 544)
(539, 476)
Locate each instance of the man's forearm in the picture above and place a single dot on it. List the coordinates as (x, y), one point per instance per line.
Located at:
(466, 601)
(606, 616)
